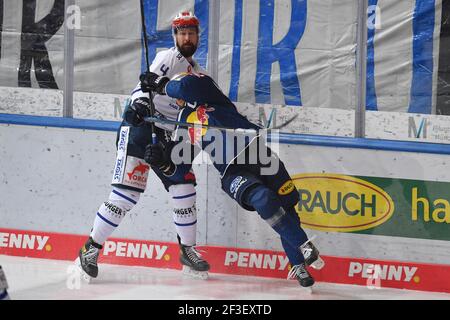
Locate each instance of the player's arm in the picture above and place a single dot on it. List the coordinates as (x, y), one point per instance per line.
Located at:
(193, 88)
(139, 106)
(196, 89)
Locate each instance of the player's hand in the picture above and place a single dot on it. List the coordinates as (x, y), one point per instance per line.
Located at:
(155, 155)
(158, 155)
(152, 82)
(136, 112)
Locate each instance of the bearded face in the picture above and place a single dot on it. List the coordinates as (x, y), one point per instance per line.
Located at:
(187, 41)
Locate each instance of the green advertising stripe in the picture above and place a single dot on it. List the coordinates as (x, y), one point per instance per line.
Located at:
(422, 209)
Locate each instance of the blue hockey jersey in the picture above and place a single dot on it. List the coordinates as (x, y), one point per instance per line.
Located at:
(209, 106)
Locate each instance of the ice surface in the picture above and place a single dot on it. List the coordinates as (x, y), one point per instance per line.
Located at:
(38, 279)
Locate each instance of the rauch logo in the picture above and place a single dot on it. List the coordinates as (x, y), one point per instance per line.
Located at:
(331, 202)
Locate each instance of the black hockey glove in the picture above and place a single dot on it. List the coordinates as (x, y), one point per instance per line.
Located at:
(136, 112)
(158, 155)
(152, 82)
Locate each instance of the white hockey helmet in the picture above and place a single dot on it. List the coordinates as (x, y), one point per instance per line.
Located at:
(185, 19)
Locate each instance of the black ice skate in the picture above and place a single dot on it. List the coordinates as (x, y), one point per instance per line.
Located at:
(3, 286)
(87, 259)
(311, 255)
(193, 264)
(302, 275)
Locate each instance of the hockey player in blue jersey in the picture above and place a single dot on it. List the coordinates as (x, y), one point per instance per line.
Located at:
(272, 195)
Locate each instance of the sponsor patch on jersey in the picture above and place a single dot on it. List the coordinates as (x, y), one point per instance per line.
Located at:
(135, 173)
(123, 139)
(122, 146)
(236, 184)
(286, 188)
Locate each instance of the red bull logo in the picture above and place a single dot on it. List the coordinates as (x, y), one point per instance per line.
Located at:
(199, 116)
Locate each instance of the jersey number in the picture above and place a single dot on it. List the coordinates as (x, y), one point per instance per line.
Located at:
(164, 70)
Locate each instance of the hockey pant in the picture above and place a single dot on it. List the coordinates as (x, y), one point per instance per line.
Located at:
(274, 199)
(130, 180)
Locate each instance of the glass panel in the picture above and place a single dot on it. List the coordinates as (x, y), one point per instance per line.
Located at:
(408, 71)
(31, 57)
(443, 85)
(291, 53)
(109, 54)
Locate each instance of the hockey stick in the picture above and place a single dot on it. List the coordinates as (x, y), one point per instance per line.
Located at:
(152, 105)
(269, 122)
(206, 126)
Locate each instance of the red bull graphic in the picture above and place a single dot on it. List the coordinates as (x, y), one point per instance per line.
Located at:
(199, 116)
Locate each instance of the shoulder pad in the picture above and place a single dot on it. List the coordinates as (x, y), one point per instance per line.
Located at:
(179, 76)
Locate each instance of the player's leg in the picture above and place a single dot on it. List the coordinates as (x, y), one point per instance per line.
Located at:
(129, 181)
(108, 218)
(269, 207)
(281, 183)
(181, 186)
(250, 192)
(185, 220)
(308, 250)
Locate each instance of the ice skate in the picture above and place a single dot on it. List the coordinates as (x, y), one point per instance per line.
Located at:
(87, 260)
(311, 255)
(302, 275)
(193, 264)
(3, 286)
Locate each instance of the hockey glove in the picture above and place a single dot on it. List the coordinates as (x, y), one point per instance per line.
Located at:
(152, 82)
(158, 155)
(136, 112)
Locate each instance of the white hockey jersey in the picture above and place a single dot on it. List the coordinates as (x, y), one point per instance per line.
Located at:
(167, 63)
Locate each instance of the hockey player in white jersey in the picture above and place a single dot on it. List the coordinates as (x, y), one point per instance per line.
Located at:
(131, 171)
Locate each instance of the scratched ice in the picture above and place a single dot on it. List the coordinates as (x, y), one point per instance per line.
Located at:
(30, 278)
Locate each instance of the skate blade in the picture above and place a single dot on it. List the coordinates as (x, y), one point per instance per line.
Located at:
(308, 289)
(81, 273)
(318, 264)
(189, 272)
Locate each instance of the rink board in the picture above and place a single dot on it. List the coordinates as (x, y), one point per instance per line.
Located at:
(264, 263)
(54, 179)
(400, 126)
